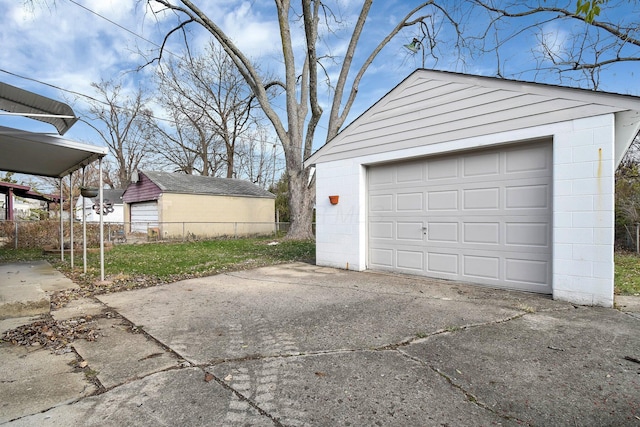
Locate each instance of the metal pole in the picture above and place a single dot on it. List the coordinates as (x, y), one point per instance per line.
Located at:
(101, 224)
(61, 226)
(84, 227)
(638, 238)
(15, 237)
(71, 218)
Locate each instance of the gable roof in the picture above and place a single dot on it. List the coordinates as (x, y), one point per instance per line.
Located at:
(431, 107)
(196, 184)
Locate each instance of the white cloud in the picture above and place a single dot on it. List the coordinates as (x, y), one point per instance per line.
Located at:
(552, 40)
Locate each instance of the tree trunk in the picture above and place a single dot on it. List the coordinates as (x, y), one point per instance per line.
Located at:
(301, 201)
(230, 159)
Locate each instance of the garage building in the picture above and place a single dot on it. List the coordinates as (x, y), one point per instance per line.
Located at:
(476, 179)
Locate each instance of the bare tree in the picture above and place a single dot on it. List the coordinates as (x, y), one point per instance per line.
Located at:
(297, 128)
(258, 160)
(123, 127)
(212, 106)
(185, 143)
(574, 45)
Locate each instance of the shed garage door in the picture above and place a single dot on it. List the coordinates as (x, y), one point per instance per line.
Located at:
(143, 216)
(482, 217)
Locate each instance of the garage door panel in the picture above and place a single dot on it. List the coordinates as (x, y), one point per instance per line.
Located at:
(381, 257)
(481, 232)
(409, 202)
(410, 260)
(409, 231)
(486, 267)
(481, 164)
(527, 234)
(445, 263)
(527, 270)
(481, 198)
(487, 216)
(527, 160)
(381, 203)
(381, 230)
(442, 231)
(442, 200)
(442, 169)
(527, 196)
(381, 175)
(411, 173)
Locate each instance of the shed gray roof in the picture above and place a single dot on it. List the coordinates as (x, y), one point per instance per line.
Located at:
(114, 195)
(196, 184)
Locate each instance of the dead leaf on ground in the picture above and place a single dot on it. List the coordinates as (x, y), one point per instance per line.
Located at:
(208, 377)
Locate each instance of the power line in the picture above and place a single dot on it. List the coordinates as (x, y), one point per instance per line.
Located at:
(133, 33)
(173, 122)
(154, 44)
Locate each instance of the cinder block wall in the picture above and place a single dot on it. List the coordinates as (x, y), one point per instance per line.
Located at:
(340, 229)
(583, 220)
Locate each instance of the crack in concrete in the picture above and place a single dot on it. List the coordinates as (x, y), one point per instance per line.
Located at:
(242, 398)
(395, 347)
(468, 395)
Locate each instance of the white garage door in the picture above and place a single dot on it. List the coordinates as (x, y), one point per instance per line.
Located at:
(481, 217)
(143, 216)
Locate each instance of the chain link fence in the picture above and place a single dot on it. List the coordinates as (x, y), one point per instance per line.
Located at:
(628, 237)
(46, 234)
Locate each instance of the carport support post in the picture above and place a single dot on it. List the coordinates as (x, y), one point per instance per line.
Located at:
(101, 223)
(84, 227)
(71, 218)
(61, 226)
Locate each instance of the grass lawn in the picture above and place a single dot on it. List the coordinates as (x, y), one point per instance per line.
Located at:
(132, 266)
(627, 273)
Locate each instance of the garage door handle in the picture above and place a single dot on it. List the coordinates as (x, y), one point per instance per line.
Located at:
(424, 230)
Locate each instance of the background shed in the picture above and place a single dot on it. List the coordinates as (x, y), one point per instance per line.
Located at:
(173, 205)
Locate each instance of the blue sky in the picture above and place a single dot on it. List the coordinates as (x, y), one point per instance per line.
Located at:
(69, 44)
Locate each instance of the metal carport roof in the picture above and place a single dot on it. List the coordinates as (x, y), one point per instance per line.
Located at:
(44, 154)
(23, 103)
(41, 154)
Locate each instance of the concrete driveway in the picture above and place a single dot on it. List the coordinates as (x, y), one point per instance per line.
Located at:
(300, 345)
